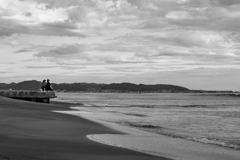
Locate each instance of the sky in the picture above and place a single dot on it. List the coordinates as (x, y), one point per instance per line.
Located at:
(190, 43)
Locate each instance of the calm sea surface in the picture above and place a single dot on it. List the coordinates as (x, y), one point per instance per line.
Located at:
(204, 118)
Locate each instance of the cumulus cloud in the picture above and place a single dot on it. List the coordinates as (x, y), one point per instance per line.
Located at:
(29, 17)
(74, 16)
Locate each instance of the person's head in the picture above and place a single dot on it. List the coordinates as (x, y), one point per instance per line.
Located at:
(48, 80)
(44, 80)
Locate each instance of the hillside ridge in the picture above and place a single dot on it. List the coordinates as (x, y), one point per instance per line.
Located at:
(95, 87)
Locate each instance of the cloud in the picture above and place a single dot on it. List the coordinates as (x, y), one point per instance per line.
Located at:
(225, 3)
(23, 50)
(65, 51)
(217, 58)
(207, 15)
(126, 35)
(60, 25)
(41, 67)
(197, 46)
(65, 67)
(3, 63)
(119, 60)
(5, 72)
(29, 17)
(188, 39)
(64, 18)
(76, 17)
(9, 27)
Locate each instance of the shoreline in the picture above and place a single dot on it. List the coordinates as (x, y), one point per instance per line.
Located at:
(155, 144)
(31, 130)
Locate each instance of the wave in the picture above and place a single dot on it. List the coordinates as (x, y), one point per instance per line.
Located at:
(215, 141)
(140, 125)
(205, 140)
(168, 106)
(135, 114)
(163, 131)
(67, 101)
(192, 106)
(150, 106)
(172, 106)
(132, 106)
(144, 106)
(145, 126)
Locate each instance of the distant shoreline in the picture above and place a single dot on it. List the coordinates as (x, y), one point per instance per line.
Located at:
(112, 87)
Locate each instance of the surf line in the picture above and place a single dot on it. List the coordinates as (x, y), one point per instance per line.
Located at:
(94, 137)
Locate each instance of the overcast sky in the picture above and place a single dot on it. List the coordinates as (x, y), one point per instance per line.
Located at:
(191, 43)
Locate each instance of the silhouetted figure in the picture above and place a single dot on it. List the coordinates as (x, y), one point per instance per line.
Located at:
(48, 86)
(43, 87)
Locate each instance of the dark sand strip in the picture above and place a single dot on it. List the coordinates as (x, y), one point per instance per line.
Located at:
(31, 131)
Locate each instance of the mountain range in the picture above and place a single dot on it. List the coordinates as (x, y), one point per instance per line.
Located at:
(95, 87)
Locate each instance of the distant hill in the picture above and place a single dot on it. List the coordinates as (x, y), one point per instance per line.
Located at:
(77, 86)
(28, 85)
(95, 87)
(25, 85)
(6, 86)
(144, 88)
(36, 85)
(126, 87)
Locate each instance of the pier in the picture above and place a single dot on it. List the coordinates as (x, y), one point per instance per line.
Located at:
(34, 96)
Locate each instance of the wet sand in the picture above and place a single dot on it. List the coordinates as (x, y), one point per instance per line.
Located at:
(31, 131)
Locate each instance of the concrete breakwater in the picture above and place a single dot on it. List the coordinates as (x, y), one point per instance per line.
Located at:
(35, 96)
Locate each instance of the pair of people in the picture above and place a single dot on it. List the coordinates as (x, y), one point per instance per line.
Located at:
(46, 86)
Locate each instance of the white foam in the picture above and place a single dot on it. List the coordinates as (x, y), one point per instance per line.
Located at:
(173, 148)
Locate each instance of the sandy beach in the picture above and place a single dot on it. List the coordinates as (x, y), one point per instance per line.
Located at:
(31, 130)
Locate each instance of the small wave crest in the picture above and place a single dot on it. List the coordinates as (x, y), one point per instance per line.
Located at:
(88, 105)
(144, 106)
(189, 106)
(146, 126)
(67, 101)
(135, 114)
(173, 106)
(164, 131)
(215, 142)
(194, 106)
(137, 106)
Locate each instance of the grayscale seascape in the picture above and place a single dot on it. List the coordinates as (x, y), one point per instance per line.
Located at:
(120, 79)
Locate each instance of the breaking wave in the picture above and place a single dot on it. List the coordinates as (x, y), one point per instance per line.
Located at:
(162, 131)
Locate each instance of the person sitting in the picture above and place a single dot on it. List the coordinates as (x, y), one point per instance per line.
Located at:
(43, 87)
(48, 86)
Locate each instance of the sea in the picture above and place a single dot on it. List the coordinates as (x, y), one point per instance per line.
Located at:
(205, 118)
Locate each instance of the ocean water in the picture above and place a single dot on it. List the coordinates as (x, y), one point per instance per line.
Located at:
(204, 118)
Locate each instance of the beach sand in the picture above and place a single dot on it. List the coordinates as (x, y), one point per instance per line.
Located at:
(32, 131)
